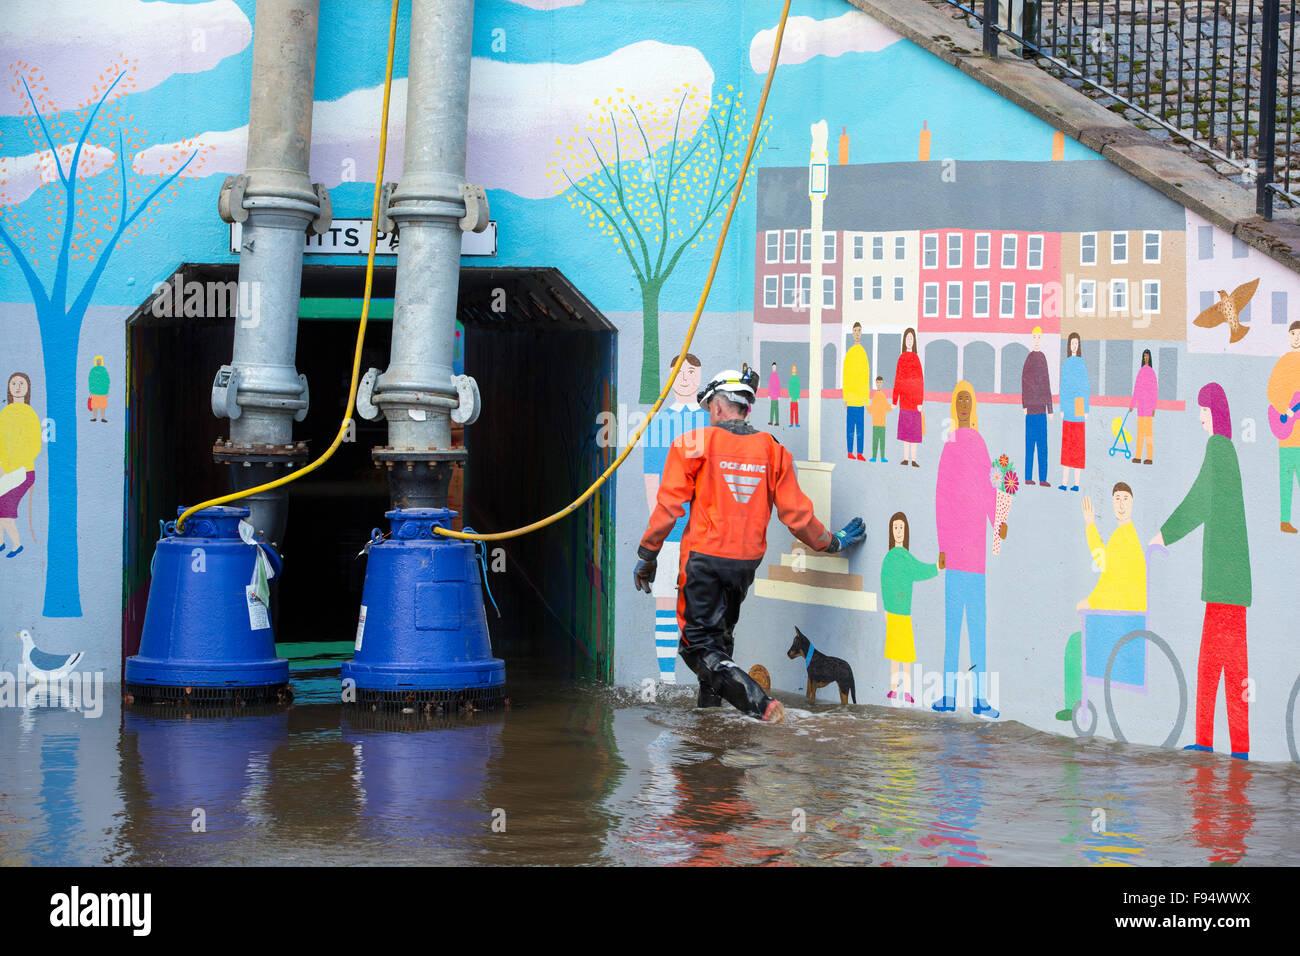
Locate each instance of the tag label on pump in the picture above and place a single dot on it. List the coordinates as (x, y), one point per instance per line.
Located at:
(361, 628)
(258, 619)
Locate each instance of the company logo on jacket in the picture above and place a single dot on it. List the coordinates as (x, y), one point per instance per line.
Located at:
(742, 478)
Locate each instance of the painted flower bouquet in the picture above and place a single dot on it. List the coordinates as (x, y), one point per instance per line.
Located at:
(1006, 482)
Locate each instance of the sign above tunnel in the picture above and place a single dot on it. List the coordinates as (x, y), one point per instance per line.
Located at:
(351, 237)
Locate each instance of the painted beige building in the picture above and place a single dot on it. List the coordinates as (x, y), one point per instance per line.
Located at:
(880, 279)
(1124, 284)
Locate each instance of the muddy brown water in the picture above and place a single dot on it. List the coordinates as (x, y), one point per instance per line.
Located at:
(581, 774)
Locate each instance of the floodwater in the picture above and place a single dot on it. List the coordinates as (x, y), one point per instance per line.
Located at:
(580, 774)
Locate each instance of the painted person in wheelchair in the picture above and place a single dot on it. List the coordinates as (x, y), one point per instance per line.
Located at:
(1121, 582)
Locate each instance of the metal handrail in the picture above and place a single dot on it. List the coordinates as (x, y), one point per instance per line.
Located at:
(1258, 164)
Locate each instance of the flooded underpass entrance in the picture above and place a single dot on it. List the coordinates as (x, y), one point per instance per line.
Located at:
(544, 360)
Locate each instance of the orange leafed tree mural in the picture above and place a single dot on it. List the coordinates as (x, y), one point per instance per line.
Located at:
(91, 202)
(636, 176)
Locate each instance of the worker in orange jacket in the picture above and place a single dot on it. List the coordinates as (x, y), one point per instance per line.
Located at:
(732, 475)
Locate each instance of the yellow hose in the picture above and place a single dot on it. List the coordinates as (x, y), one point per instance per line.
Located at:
(690, 332)
(365, 306)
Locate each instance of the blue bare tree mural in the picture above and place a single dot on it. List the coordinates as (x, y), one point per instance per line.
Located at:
(92, 203)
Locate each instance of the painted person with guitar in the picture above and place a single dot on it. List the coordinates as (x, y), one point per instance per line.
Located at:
(1283, 409)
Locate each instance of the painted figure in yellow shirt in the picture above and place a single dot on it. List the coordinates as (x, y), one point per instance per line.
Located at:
(1121, 582)
(20, 443)
(856, 386)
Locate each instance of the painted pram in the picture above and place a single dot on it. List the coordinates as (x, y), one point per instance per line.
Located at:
(1122, 436)
(1114, 646)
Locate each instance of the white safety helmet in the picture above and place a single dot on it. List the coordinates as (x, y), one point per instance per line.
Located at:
(737, 387)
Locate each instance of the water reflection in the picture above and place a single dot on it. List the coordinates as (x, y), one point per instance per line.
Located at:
(579, 774)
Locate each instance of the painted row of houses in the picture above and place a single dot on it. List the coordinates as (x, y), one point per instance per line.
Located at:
(973, 258)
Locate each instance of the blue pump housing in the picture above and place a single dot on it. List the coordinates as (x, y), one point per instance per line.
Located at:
(422, 633)
(203, 637)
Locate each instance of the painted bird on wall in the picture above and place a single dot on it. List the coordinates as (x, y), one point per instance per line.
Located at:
(43, 666)
(1228, 309)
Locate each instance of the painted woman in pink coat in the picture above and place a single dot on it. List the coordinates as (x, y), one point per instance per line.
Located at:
(1145, 394)
(965, 503)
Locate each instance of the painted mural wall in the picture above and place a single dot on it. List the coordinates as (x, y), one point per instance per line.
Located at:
(1086, 318)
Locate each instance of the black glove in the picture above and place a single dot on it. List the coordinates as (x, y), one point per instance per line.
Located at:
(851, 535)
(645, 574)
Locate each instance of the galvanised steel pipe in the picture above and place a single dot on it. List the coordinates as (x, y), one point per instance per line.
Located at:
(277, 204)
(416, 393)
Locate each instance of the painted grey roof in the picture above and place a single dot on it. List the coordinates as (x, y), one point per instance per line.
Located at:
(1067, 196)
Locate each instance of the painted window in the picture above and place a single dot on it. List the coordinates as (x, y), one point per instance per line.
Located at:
(791, 246)
(805, 245)
(1151, 246)
(900, 247)
(877, 247)
(898, 289)
(1087, 295)
(1033, 301)
(788, 290)
(1205, 242)
(770, 291)
(1034, 256)
(981, 300)
(954, 300)
(857, 288)
(982, 242)
(931, 300)
(1151, 295)
(1008, 252)
(828, 247)
(877, 288)
(805, 290)
(828, 292)
(1007, 300)
(1279, 308)
(858, 243)
(1119, 296)
(954, 250)
(1119, 247)
(930, 252)
(773, 246)
(1088, 249)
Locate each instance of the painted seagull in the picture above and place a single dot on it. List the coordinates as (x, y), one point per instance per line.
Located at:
(48, 667)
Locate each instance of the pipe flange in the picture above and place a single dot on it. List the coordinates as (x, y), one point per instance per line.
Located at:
(383, 453)
(227, 452)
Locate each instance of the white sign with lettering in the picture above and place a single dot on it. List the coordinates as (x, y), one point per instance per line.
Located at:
(351, 237)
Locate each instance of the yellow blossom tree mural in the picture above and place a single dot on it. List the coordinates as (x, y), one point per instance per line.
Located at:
(653, 177)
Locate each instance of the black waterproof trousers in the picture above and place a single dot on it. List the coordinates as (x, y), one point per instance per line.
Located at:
(711, 597)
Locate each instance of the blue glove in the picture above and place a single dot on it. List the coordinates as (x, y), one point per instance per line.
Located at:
(645, 574)
(851, 535)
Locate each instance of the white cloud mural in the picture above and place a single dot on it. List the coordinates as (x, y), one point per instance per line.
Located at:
(73, 42)
(518, 111)
(806, 37)
(20, 176)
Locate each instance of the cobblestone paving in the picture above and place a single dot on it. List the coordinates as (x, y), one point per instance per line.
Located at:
(1195, 64)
